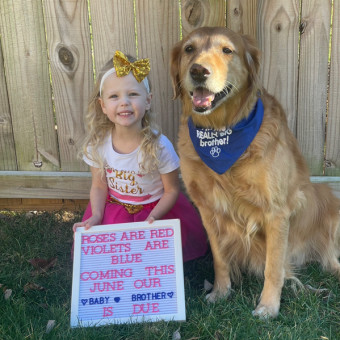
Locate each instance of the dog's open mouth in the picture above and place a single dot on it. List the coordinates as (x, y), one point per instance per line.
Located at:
(204, 100)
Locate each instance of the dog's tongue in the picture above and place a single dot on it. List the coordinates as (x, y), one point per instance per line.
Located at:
(202, 97)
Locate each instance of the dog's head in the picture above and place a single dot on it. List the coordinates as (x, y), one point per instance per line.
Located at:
(211, 65)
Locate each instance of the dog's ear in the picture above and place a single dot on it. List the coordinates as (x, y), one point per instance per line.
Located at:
(175, 60)
(252, 58)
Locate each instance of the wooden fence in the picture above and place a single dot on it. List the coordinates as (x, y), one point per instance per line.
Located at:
(50, 50)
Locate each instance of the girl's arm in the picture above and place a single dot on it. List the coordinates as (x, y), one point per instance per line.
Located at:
(98, 196)
(168, 200)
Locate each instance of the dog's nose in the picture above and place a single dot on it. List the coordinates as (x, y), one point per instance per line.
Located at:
(199, 73)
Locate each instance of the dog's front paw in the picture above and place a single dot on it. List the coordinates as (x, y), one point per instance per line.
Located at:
(266, 312)
(217, 294)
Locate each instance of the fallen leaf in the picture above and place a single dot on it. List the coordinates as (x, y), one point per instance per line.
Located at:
(50, 325)
(32, 286)
(218, 336)
(42, 265)
(7, 293)
(3, 288)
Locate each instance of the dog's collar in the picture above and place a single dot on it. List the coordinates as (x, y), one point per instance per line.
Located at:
(220, 149)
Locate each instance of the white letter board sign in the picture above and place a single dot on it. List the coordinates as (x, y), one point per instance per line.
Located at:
(130, 272)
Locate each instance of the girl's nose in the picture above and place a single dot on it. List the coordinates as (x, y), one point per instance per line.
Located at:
(125, 100)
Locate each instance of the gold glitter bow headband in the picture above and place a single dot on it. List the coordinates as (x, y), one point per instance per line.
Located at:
(123, 67)
(140, 68)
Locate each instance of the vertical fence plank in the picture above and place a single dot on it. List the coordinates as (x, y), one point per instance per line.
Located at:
(242, 15)
(198, 13)
(333, 127)
(69, 45)
(278, 36)
(113, 28)
(313, 78)
(28, 83)
(7, 147)
(157, 32)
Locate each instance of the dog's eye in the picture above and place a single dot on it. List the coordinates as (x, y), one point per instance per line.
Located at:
(189, 49)
(227, 50)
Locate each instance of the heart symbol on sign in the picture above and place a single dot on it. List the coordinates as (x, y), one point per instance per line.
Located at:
(117, 299)
(171, 294)
(84, 301)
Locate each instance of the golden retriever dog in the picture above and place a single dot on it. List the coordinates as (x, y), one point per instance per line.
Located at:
(242, 168)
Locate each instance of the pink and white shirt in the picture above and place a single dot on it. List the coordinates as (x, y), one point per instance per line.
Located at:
(125, 181)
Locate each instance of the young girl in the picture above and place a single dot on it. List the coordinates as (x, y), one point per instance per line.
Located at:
(134, 167)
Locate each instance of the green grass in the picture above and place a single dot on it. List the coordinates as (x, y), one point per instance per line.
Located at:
(47, 235)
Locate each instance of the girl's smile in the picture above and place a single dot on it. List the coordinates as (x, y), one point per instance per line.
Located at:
(125, 113)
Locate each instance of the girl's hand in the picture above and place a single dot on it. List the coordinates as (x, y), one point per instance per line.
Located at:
(90, 222)
(150, 219)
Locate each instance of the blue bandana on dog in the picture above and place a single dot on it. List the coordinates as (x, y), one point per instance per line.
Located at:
(220, 149)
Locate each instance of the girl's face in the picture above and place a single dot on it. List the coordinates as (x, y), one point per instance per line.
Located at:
(124, 100)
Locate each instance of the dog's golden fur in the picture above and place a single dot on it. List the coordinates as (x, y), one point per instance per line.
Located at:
(263, 214)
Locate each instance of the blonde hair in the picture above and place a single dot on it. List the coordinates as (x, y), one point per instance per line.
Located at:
(98, 126)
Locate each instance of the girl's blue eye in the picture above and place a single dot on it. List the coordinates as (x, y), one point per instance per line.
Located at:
(133, 94)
